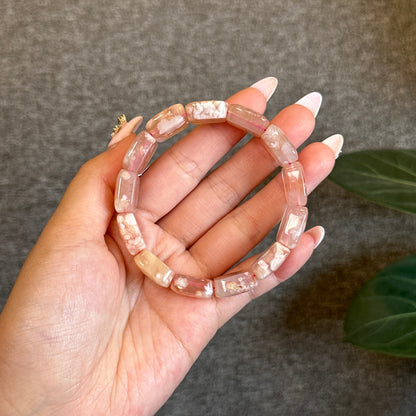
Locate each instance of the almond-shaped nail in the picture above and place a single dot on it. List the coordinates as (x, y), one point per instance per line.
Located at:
(335, 143)
(130, 126)
(267, 86)
(136, 127)
(312, 102)
(318, 234)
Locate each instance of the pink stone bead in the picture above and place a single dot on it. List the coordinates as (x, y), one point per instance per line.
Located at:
(166, 124)
(127, 191)
(154, 268)
(130, 232)
(279, 146)
(246, 119)
(140, 152)
(234, 284)
(191, 286)
(294, 184)
(202, 112)
(270, 260)
(292, 226)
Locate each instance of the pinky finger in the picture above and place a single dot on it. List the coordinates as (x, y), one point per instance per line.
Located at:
(228, 307)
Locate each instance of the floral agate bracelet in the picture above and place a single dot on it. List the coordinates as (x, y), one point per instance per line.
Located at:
(162, 127)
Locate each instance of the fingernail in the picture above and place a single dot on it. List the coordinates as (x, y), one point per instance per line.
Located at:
(267, 86)
(312, 102)
(335, 143)
(135, 128)
(128, 128)
(318, 234)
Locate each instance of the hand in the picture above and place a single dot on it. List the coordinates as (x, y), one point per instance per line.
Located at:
(83, 332)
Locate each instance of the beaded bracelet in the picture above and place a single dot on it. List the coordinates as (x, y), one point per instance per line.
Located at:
(165, 125)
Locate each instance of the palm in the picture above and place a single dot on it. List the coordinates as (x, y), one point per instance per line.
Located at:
(121, 351)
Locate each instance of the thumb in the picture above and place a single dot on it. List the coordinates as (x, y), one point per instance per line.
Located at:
(88, 203)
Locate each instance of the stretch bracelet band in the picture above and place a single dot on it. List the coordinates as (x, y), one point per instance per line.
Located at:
(165, 125)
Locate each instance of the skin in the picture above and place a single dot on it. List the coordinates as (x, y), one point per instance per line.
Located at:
(83, 332)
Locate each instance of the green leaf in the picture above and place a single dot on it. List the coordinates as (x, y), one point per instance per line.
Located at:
(386, 177)
(382, 317)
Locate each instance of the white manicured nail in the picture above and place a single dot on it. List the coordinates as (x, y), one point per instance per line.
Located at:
(335, 143)
(267, 86)
(318, 234)
(312, 102)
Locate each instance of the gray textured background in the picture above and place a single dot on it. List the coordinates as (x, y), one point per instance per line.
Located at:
(68, 68)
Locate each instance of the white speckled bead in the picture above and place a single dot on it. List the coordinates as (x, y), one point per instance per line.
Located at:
(127, 191)
(154, 268)
(192, 286)
(294, 184)
(292, 226)
(204, 112)
(140, 152)
(270, 260)
(247, 119)
(130, 232)
(167, 123)
(234, 284)
(278, 145)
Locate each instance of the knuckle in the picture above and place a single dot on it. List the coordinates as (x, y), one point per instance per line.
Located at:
(187, 167)
(247, 226)
(223, 191)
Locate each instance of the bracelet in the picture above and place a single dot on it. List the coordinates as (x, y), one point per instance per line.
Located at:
(165, 125)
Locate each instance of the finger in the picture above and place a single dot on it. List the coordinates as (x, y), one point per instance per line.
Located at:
(228, 185)
(88, 203)
(238, 232)
(228, 307)
(188, 161)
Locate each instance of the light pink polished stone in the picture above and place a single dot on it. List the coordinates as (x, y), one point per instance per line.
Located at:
(246, 119)
(292, 226)
(279, 146)
(191, 286)
(166, 124)
(234, 284)
(154, 268)
(140, 152)
(270, 260)
(294, 184)
(127, 191)
(202, 112)
(130, 232)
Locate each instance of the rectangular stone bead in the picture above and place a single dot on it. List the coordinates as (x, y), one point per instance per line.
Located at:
(167, 123)
(154, 268)
(140, 152)
(246, 119)
(130, 232)
(234, 284)
(192, 286)
(292, 226)
(203, 112)
(279, 146)
(270, 260)
(127, 191)
(294, 184)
